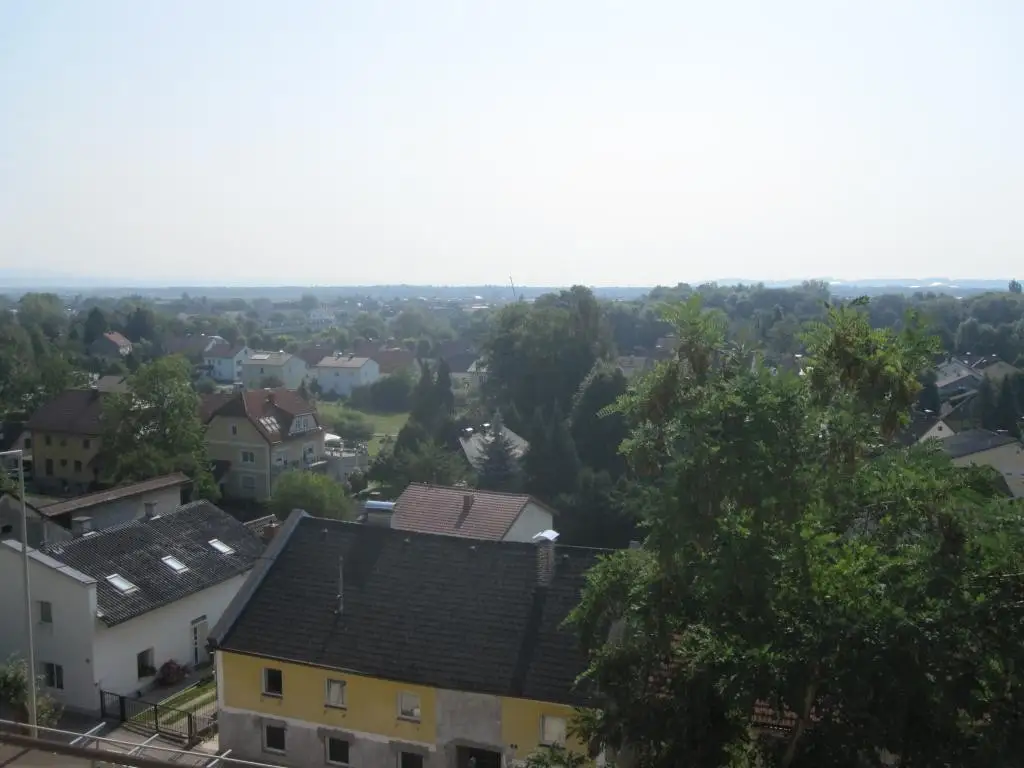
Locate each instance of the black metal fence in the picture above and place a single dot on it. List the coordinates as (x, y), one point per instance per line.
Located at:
(189, 726)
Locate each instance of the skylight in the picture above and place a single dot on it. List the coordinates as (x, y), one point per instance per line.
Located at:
(121, 584)
(221, 547)
(174, 563)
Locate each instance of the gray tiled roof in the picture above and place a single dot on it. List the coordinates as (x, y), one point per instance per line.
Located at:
(425, 609)
(134, 551)
(974, 441)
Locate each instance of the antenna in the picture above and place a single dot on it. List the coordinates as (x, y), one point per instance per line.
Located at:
(341, 586)
(514, 296)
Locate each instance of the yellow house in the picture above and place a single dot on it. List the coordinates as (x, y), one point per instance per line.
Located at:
(363, 645)
(260, 434)
(63, 436)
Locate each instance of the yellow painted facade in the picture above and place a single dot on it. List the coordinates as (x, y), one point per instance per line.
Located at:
(371, 704)
(61, 456)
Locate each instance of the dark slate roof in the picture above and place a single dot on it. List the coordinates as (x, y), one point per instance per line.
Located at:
(90, 500)
(426, 609)
(920, 423)
(75, 411)
(134, 551)
(974, 441)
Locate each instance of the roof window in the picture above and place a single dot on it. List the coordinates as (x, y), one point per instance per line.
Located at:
(221, 547)
(121, 584)
(174, 564)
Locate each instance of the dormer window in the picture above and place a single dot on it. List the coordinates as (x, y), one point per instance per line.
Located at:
(174, 564)
(221, 547)
(121, 584)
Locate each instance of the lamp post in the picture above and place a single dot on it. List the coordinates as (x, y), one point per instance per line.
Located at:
(31, 681)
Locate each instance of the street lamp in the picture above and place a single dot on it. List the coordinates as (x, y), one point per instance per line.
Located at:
(32, 721)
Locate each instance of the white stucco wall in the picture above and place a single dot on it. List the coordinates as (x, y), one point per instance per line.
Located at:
(1007, 459)
(167, 630)
(342, 381)
(69, 640)
(939, 431)
(227, 369)
(531, 521)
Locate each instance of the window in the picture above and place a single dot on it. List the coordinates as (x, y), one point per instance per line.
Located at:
(552, 730)
(28, 443)
(410, 760)
(248, 483)
(273, 738)
(78, 466)
(52, 674)
(144, 663)
(273, 682)
(409, 706)
(86, 444)
(63, 462)
(335, 695)
(337, 751)
(174, 564)
(49, 463)
(221, 547)
(49, 440)
(234, 429)
(121, 584)
(45, 612)
(248, 457)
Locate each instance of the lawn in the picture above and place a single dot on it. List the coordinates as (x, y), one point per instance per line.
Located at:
(383, 423)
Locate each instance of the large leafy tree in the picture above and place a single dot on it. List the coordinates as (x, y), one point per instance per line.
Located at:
(550, 466)
(154, 428)
(498, 469)
(312, 492)
(801, 565)
(598, 434)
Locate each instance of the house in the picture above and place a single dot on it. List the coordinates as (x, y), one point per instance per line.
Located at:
(340, 373)
(925, 425)
(193, 346)
(996, 370)
(110, 608)
(290, 370)
(955, 377)
(224, 361)
(320, 318)
(474, 443)
(52, 520)
(259, 434)
(984, 448)
(633, 365)
(312, 354)
(394, 360)
(64, 435)
(111, 345)
(471, 513)
(368, 645)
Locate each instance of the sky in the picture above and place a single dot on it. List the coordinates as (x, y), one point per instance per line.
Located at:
(355, 142)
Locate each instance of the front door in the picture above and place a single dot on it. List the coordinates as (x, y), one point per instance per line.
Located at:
(200, 631)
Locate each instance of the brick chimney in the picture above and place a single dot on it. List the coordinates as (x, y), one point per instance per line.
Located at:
(545, 541)
(270, 531)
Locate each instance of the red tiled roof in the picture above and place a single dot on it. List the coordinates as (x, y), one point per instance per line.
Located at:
(118, 339)
(262, 407)
(74, 411)
(314, 353)
(391, 360)
(458, 511)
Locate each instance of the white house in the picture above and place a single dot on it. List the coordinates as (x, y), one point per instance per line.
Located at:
(225, 361)
(51, 520)
(289, 369)
(110, 608)
(471, 513)
(321, 317)
(341, 373)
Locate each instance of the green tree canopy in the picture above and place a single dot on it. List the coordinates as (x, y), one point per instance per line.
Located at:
(313, 492)
(550, 466)
(798, 561)
(499, 469)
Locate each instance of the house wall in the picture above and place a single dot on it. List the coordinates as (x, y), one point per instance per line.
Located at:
(531, 521)
(939, 431)
(1007, 459)
(63, 450)
(342, 381)
(133, 508)
(39, 529)
(226, 438)
(370, 721)
(227, 369)
(68, 641)
(167, 630)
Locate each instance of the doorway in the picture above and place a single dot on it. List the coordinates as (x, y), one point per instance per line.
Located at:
(200, 631)
(470, 757)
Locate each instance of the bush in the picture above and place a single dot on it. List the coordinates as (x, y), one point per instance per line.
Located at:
(351, 426)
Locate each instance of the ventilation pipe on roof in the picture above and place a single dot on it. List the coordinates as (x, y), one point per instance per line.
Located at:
(545, 541)
(341, 587)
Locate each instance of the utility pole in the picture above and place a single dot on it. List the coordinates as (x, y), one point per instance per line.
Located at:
(31, 682)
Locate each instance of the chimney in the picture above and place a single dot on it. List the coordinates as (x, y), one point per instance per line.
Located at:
(545, 541)
(467, 505)
(269, 532)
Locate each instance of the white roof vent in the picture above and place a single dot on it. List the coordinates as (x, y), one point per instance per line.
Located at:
(548, 535)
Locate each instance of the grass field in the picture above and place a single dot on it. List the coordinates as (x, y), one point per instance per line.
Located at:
(383, 423)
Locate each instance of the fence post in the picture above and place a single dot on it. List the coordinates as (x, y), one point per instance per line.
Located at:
(156, 717)
(191, 728)
(103, 705)
(123, 713)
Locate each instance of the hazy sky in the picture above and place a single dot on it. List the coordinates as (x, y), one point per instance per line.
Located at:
(559, 141)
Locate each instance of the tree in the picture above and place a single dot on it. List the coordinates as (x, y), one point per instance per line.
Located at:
(557, 757)
(445, 396)
(96, 325)
(154, 428)
(600, 513)
(987, 408)
(498, 468)
(271, 382)
(420, 462)
(598, 434)
(14, 682)
(798, 561)
(1007, 411)
(1015, 286)
(351, 426)
(551, 466)
(928, 399)
(313, 492)
(424, 404)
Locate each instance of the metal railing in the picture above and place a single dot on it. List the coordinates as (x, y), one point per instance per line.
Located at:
(186, 725)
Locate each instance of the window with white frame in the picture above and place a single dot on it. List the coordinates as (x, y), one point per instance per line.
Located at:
(273, 682)
(52, 674)
(45, 612)
(248, 457)
(334, 695)
(552, 730)
(274, 738)
(121, 584)
(408, 706)
(337, 751)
